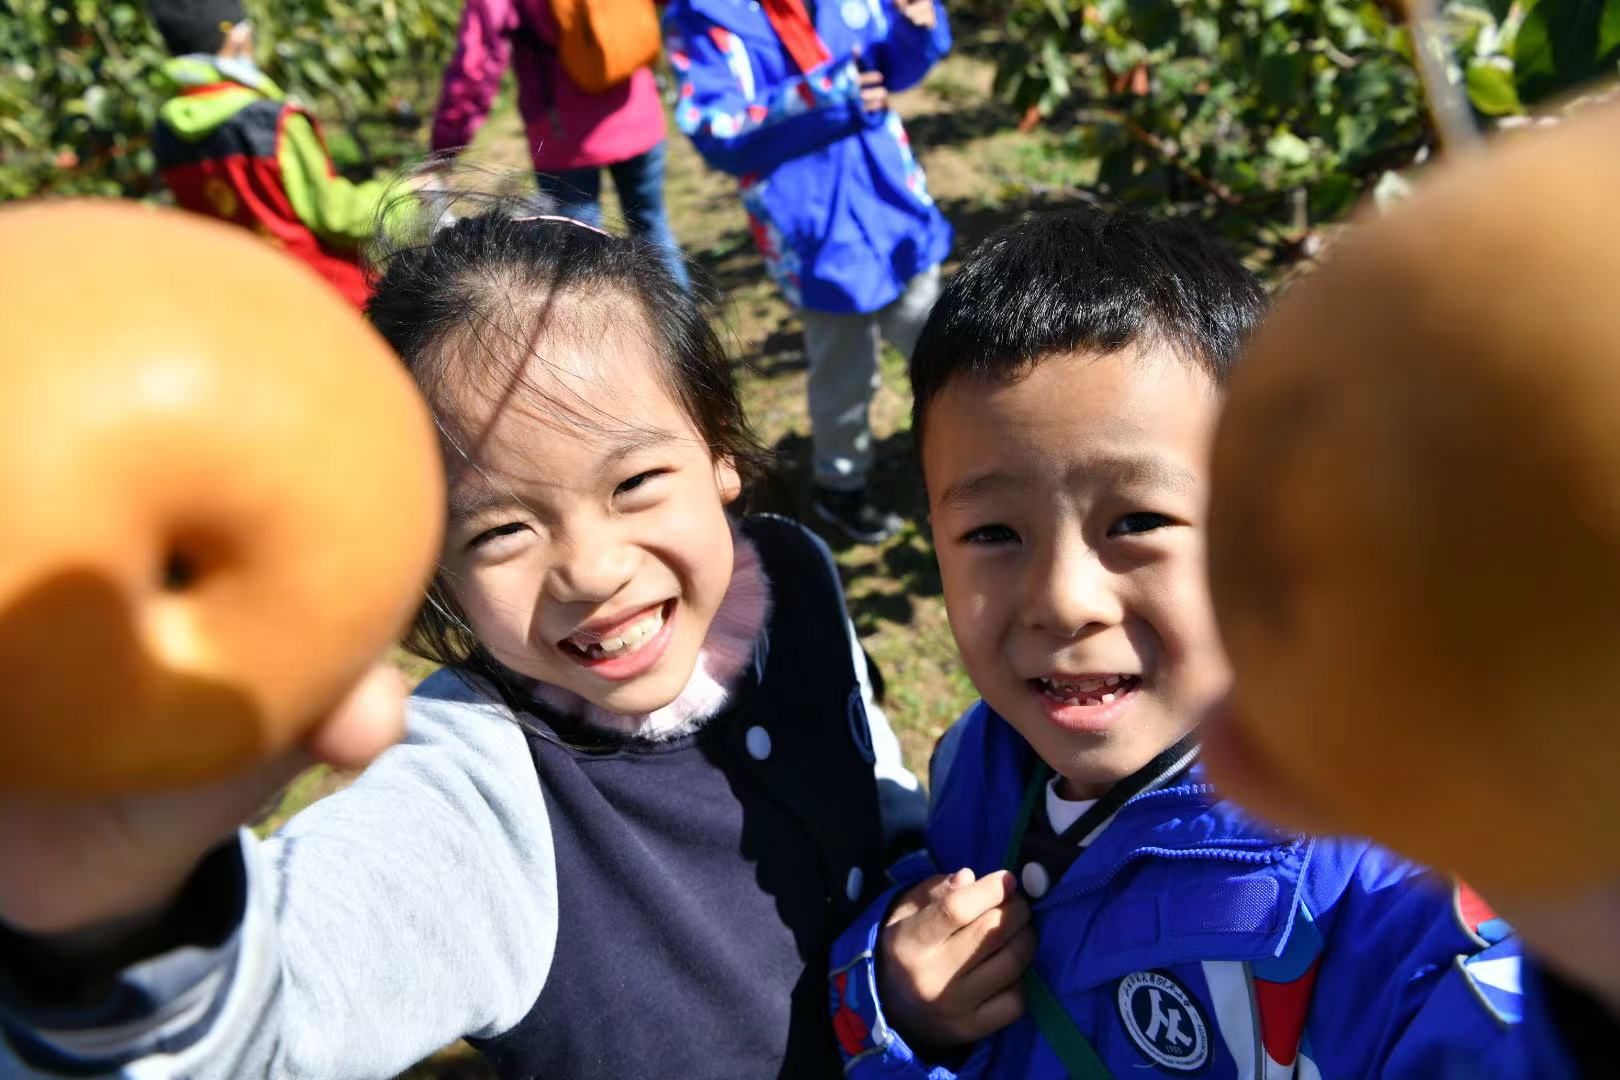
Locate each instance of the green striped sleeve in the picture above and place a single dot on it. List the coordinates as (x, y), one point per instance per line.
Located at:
(335, 209)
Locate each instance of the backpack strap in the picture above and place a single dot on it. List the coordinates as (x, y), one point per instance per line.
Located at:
(1057, 1027)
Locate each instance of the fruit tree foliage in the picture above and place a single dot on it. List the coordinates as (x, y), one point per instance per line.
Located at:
(1290, 107)
(78, 92)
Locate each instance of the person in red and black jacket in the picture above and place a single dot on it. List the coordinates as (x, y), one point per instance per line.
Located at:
(229, 144)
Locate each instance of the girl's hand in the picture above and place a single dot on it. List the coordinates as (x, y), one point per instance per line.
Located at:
(919, 13)
(951, 958)
(874, 95)
(68, 867)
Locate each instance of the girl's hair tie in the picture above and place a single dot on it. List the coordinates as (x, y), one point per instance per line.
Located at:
(566, 221)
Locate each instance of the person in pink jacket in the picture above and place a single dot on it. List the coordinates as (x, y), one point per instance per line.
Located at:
(573, 134)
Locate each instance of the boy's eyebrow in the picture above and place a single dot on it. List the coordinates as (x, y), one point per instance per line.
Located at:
(977, 487)
(1148, 470)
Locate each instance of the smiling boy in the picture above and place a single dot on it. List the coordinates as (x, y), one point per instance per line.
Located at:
(1067, 386)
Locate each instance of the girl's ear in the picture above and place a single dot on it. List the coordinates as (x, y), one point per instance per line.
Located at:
(727, 480)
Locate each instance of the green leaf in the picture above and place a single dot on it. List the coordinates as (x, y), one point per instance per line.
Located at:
(1355, 132)
(1609, 29)
(1282, 77)
(1558, 45)
(1491, 88)
(1055, 65)
(1289, 148)
(98, 106)
(1333, 197)
(1155, 21)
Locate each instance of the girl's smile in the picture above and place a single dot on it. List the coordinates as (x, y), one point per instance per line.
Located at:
(619, 649)
(590, 547)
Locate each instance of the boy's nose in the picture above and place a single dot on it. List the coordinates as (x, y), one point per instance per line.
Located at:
(1070, 590)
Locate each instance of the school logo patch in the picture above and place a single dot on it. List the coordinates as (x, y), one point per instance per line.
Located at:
(1163, 1020)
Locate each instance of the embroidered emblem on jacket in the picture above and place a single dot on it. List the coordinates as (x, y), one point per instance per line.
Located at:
(1163, 1020)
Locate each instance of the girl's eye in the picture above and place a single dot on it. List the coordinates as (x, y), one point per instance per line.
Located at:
(638, 480)
(1143, 522)
(509, 529)
(990, 534)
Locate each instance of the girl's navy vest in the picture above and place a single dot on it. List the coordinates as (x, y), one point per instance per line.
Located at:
(701, 881)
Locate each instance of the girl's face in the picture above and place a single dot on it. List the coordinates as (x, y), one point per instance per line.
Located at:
(588, 544)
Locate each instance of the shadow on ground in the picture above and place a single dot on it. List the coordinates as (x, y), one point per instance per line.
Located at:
(883, 582)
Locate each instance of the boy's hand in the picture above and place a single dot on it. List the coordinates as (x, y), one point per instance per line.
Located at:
(68, 867)
(950, 959)
(874, 95)
(919, 13)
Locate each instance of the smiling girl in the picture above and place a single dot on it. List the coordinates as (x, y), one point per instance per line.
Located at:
(648, 786)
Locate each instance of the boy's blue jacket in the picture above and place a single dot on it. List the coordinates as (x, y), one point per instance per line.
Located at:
(1189, 941)
(836, 201)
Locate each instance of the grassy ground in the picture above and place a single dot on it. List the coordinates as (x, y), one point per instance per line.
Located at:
(983, 173)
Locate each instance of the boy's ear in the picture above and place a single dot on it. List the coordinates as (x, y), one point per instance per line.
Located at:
(727, 479)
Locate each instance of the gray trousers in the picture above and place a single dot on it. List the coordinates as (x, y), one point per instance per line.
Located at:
(842, 351)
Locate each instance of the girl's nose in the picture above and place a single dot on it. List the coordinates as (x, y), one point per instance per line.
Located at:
(591, 571)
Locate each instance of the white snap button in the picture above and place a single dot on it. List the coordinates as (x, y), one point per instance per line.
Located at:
(852, 887)
(1036, 880)
(759, 743)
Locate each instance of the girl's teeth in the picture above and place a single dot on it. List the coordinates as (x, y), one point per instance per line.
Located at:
(629, 639)
(1106, 698)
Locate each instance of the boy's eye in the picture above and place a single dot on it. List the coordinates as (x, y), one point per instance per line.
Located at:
(637, 481)
(509, 529)
(990, 534)
(1142, 522)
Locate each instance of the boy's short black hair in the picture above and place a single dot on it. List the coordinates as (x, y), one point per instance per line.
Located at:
(1084, 281)
(194, 26)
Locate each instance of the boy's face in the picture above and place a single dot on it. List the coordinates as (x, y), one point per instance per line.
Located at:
(1068, 513)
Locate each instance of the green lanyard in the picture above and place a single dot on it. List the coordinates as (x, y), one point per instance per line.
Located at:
(1056, 1025)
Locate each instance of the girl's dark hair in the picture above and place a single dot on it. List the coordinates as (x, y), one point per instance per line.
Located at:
(464, 302)
(1084, 280)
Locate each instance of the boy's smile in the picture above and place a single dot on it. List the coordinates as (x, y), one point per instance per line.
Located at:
(1085, 702)
(1068, 516)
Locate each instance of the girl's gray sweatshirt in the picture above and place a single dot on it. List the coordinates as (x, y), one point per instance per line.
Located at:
(416, 907)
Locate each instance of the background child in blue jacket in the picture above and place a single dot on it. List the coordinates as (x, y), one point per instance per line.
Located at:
(1066, 387)
(793, 101)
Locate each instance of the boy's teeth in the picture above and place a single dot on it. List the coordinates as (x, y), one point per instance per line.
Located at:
(1078, 691)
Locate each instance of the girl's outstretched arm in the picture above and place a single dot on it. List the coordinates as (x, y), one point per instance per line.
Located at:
(417, 906)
